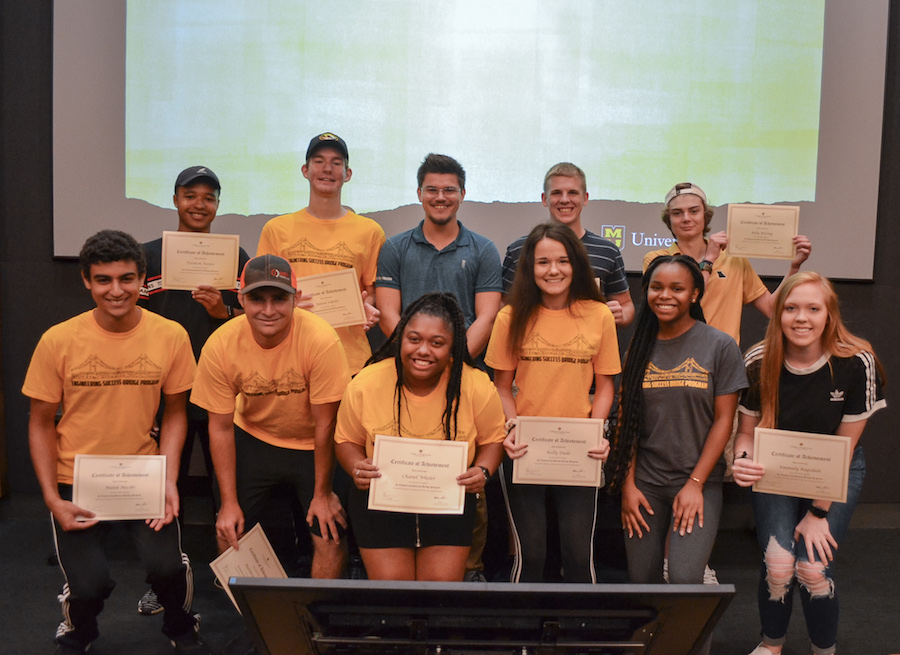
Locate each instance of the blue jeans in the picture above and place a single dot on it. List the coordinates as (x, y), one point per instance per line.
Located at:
(785, 561)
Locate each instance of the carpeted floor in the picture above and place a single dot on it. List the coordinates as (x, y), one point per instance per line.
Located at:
(868, 577)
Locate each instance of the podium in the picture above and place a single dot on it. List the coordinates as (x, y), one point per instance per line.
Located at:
(362, 617)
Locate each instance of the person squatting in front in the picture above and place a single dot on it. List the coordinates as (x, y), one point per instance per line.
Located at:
(421, 384)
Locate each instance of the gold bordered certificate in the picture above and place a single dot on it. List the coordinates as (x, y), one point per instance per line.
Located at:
(802, 464)
(335, 296)
(121, 487)
(418, 476)
(558, 451)
(764, 231)
(190, 259)
(254, 559)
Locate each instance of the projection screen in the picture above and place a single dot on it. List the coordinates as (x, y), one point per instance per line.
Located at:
(754, 100)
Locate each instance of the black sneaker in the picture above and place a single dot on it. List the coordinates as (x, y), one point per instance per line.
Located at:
(475, 575)
(149, 604)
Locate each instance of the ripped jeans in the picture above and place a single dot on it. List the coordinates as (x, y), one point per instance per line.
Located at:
(786, 562)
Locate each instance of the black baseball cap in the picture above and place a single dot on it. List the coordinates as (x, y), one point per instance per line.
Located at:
(330, 140)
(195, 173)
(268, 271)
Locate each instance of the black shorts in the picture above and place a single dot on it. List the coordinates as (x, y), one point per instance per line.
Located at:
(378, 529)
(260, 467)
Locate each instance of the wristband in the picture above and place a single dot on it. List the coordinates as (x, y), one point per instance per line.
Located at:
(487, 474)
(818, 512)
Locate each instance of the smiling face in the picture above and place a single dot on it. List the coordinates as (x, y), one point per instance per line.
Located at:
(115, 287)
(565, 197)
(327, 171)
(197, 205)
(686, 216)
(425, 351)
(270, 313)
(441, 205)
(803, 320)
(552, 273)
(670, 294)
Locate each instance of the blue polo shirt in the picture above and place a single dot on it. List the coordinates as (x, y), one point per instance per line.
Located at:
(469, 265)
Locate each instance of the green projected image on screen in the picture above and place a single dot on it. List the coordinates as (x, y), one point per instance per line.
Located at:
(640, 94)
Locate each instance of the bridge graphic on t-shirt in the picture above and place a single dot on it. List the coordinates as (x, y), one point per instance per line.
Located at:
(537, 349)
(258, 385)
(687, 374)
(435, 432)
(304, 252)
(94, 372)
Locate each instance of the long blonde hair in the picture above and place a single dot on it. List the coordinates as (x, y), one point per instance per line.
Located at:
(837, 340)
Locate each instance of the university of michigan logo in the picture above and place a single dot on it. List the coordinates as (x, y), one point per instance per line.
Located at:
(614, 233)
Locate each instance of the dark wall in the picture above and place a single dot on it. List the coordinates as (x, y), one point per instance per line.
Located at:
(37, 292)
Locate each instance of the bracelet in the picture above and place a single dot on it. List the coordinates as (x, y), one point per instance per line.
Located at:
(487, 474)
(818, 512)
(510, 424)
(697, 480)
(705, 265)
(229, 310)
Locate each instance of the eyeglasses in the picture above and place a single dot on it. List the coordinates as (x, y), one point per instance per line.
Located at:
(448, 191)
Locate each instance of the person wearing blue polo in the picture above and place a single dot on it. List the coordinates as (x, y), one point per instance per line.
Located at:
(441, 254)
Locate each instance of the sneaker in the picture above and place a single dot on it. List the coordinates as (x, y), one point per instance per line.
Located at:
(475, 575)
(149, 604)
(190, 644)
(761, 650)
(709, 576)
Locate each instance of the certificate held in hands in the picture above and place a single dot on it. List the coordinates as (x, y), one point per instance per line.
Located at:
(190, 259)
(418, 476)
(763, 231)
(120, 487)
(336, 297)
(558, 451)
(802, 464)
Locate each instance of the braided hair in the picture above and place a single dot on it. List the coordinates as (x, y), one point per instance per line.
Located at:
(445, 307)
(631, 395)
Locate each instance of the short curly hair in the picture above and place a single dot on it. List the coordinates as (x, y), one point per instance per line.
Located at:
(109, 246)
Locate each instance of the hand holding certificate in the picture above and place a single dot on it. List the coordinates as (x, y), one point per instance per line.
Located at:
(802, 464)
(335, 296)
(190, 259)
(254, 558)
(418, 476)
(764, 231)
(558, 451)
(120, 487)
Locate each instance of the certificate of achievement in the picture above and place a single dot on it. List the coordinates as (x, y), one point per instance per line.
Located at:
(764, 231)
(418, 476)
(254, 559)
(336, 297)
(558, 451)
(190, 259)
(121, 487)
(802, 464)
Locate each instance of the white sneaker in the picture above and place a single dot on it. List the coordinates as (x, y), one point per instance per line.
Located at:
(709, 577)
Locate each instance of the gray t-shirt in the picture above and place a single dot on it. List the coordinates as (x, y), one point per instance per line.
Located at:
(680, 386)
